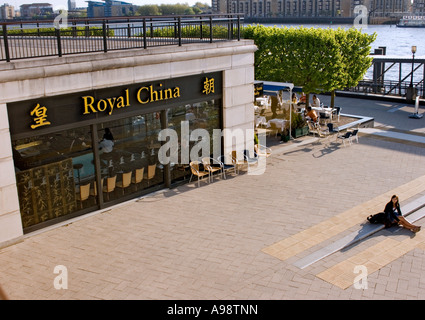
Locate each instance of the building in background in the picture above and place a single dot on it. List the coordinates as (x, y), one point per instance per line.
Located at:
(418, 7)
(71, 5)
(7, 12)
(36, 9)
(314, 8)
(110, 8)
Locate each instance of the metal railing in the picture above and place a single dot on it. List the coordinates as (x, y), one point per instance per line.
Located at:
(387, 88)
(33, 39)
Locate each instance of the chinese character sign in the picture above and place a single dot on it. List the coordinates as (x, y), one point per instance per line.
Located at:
(208, 86)
(39, 115)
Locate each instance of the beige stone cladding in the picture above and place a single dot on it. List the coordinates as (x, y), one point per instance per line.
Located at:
(48, 77)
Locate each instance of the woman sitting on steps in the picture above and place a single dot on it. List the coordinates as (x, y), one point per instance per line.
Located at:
(394, 216)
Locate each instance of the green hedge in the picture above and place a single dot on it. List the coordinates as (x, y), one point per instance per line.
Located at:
(71, 31)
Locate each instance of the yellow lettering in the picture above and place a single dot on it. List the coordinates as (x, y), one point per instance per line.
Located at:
(168, 94)
(88, 104)
(127, 97)
(111, 102)
(138, 95)
(120, 102)
(104, 105)
(153, 92)
(176, 92)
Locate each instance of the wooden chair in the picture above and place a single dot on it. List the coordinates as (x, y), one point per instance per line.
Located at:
(151, 173)
(125, 182)
(110, 185)
(210, 164)
(93, 192)
(195, 169)
(84, 193)
(138, 176)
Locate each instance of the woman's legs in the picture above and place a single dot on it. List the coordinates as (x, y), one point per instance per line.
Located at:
(406, 224)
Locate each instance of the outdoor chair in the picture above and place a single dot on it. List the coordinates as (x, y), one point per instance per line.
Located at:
(212, 165)
(226, 166)
(262, 151)
(196, 171)
(345, 137)
(237, 161)
(250, 160)
(354, 135)
(312, 128)
(338, 112)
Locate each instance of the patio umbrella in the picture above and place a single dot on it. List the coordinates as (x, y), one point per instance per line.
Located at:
(270, 86)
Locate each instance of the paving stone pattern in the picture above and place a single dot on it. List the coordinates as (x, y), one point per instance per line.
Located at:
(210, 242)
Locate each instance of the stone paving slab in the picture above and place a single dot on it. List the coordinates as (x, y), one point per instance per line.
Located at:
(207, 242)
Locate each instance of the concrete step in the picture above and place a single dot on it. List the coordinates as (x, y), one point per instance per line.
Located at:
(414, 209)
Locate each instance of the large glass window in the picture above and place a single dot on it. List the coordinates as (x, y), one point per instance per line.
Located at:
(57, 174)
(184, 120)
(129, 155)
(54, 174)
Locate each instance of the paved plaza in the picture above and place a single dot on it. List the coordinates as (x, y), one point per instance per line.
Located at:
(245, 237)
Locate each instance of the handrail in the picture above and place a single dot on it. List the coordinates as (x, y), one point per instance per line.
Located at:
(33, 39)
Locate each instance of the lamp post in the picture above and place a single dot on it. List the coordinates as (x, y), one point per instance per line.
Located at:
(411, 90)
(413, 63)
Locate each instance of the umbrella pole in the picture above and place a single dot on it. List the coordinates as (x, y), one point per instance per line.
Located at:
(290, 114)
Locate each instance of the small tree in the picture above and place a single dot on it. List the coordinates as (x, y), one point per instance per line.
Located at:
(316, 59)
(355, 47)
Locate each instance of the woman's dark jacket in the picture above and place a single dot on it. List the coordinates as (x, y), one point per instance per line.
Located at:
(391, 215)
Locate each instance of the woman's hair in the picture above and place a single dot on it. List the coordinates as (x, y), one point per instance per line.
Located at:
(394, 196)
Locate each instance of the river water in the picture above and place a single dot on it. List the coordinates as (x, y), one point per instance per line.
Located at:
(398, 43)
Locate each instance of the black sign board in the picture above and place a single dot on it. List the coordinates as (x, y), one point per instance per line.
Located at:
(83, 108)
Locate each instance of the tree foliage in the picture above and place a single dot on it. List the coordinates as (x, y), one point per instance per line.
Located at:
(316, 59)
(169, 9)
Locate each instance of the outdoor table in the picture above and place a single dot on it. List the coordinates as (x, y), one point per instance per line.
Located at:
(279, 123)
(260, 120)
(327, 111)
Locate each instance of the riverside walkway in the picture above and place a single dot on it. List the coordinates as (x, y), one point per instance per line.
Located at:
(245, 237)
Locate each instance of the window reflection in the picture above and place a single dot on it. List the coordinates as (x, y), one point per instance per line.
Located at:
(50, 170)
(56, 173)
(185, 119)
(128, 155)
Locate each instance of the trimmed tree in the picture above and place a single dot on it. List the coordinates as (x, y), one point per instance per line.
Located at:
(319, 60)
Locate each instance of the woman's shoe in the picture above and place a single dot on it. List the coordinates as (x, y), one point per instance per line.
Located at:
(416, 229)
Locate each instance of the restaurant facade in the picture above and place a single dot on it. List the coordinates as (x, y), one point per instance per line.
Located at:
(74, 126)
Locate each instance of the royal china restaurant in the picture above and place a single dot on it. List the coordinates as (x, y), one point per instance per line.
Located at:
(72, 126)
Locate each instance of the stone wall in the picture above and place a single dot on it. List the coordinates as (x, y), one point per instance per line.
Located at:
(48, 77)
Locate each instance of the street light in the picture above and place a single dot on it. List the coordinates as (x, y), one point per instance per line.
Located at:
(411, 92)
(413, 62)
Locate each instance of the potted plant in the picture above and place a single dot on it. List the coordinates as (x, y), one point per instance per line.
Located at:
(285, 133)
(299, 125)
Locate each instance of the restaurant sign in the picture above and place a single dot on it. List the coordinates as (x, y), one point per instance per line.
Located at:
(117, 101)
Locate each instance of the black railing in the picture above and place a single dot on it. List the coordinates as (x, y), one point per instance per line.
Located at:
(388, 88)
(32, 39)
